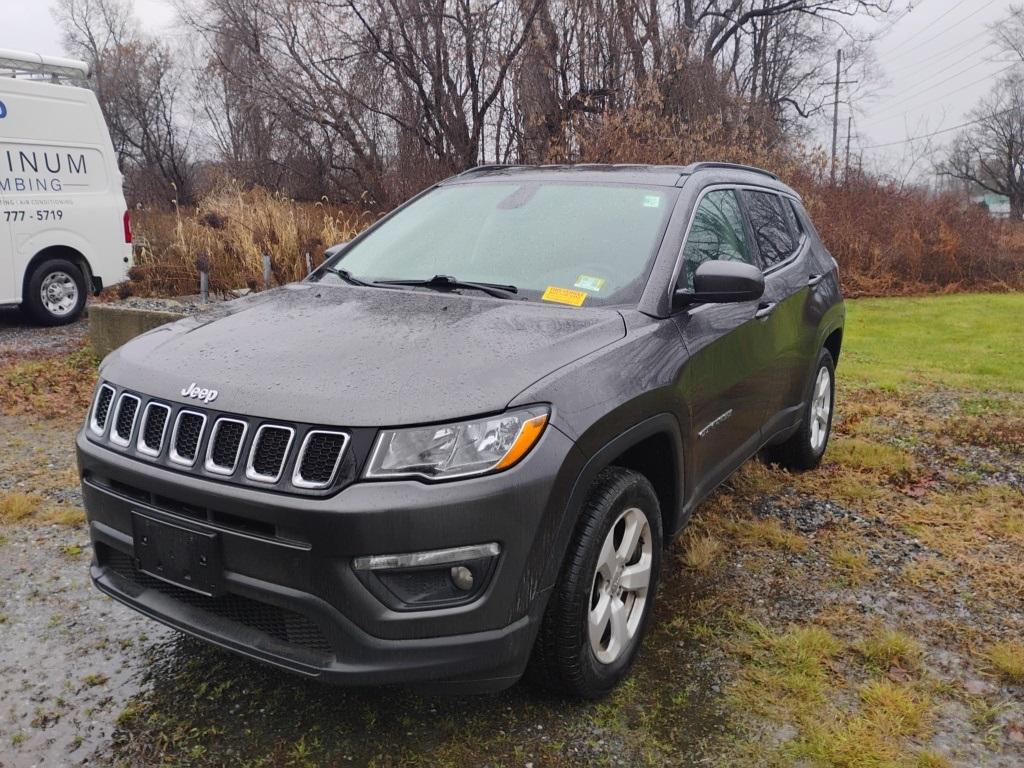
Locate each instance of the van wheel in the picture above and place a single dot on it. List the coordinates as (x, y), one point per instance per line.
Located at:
(601, 605)
(55, 294)
(804, 449)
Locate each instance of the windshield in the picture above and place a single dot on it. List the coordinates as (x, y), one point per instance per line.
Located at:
(579, 244)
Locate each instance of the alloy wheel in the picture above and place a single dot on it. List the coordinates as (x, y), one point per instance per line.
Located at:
(622, 579)
(821, 409)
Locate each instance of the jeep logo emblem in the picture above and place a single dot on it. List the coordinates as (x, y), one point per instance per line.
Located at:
(200, 393)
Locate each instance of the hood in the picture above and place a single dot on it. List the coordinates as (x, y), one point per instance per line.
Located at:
(351, 356)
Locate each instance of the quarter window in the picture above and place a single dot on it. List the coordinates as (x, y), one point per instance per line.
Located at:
(717, 234)
(771, 227)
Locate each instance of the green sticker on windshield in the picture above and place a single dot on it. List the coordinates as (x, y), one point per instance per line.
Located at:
(652, 201)
(588, 283)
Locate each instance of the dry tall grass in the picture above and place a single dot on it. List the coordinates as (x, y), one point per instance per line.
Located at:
(231, 229)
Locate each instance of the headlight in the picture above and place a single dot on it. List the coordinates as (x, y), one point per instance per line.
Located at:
(457, 450)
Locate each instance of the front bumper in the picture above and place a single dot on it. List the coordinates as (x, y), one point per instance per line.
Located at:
(291, 596)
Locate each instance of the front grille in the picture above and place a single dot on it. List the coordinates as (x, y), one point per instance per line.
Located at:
(268, 453)
(154, 425)
(104, 398)
(303, 459)
(124, 421)
(319, 458)
(225, 444)
(187, 433)
(279, 623)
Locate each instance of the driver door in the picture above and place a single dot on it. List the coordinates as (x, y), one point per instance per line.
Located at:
(726, 379)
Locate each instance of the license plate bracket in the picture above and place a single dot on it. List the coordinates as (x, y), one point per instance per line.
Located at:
(184, 557)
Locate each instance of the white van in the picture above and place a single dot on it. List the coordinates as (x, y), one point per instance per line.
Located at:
(64, 225)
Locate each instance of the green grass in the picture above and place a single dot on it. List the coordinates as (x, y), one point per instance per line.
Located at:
(970, 341)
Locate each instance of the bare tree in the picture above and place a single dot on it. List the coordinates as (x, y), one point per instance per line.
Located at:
(139, 84)
(990, 153)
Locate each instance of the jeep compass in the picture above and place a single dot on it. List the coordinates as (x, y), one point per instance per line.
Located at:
(454, 453)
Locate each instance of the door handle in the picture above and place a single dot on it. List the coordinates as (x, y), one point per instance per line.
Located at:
(763, 310)
(813, 280)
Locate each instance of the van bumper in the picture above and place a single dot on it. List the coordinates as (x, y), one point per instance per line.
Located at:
(297, 600)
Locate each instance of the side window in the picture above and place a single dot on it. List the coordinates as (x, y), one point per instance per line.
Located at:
(795, 226)
(717, 233)
(771, 227)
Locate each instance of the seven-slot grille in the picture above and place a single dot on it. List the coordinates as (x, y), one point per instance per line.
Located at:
(269, 450)
(188, 432)
(225, 445)
(154, 427)
(101, 410)
(245, 450)
(124, 419)
(319, 458)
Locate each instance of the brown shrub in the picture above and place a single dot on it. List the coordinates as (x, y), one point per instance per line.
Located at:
(891, 241)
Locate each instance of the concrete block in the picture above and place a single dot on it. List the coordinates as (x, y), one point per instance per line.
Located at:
(112, 326)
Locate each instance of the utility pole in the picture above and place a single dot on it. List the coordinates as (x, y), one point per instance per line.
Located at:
(849, 132)
(835, 111)
(835, 114)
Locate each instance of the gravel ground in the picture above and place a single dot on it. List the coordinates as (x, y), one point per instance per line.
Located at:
(20, 338)
(71, 657)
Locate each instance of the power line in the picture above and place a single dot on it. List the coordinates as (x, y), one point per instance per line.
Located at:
(954, 76)
(934, 21)
(932, 76)
(892, 24)
(938, 133)
(916, 63)
(941, 32)
(908, 110)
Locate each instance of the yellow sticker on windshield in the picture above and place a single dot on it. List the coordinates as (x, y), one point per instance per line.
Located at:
(564, 296)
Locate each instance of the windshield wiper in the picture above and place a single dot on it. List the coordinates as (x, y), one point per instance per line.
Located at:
(447, 281)
(347, 276)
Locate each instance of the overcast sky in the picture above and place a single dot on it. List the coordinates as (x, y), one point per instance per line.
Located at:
(937, 61)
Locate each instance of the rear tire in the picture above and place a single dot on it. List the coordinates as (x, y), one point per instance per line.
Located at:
(804, 449)
(601, 605)
(55, 293)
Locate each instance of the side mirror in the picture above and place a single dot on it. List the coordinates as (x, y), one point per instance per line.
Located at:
(723, 282)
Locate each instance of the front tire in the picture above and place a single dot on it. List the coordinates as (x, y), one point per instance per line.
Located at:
(55, 293)
(804, 449)
(601, 605)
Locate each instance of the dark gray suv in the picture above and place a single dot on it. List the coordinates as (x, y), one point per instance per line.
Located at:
(456, 451)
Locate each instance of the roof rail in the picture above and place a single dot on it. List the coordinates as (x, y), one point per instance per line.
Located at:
(490, 167)
(18, 63)
(693, 168)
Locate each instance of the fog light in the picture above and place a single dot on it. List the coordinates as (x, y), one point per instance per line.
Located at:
(435, 578)
(462, 577)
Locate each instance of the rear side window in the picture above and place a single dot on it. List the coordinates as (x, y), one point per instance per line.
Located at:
(789, 208)
(771, 227)
(717, 234)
